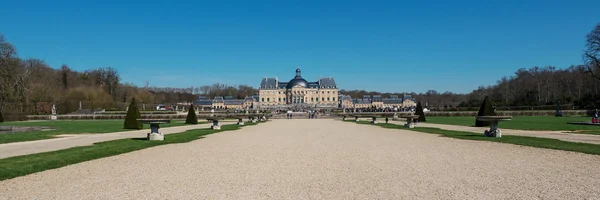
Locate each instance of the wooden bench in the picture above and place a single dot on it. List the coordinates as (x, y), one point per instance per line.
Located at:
(494, 120)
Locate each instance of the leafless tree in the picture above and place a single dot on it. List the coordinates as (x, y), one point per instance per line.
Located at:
(591, 56)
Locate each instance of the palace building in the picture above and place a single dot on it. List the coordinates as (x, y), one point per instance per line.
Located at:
(298, 91)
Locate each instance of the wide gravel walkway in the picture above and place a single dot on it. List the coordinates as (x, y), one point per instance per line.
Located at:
(321, 159)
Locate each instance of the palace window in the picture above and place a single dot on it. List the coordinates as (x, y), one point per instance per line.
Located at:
(327, 98)
(323, 99)
(312, 99)
(279, 99)
(333, 98)
(263, 99)
(268, 99)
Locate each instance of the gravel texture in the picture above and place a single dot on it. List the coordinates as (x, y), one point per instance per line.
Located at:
(321, 159)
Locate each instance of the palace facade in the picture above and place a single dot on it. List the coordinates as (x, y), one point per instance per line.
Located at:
(377, 101)
(298, 91)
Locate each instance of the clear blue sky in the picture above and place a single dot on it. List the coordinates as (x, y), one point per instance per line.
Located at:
(388, 46)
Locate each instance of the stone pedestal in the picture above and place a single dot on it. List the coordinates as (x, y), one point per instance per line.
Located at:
(240, 123)
(373, 122)
(409, 123)
(358, 120)
(494, 131)
(254, 121)
(53, 117)
(215, 125)
(156, 136)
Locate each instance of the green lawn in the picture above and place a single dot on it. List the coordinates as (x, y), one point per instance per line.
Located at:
(510, 139)
(69, 127)
(23, 165)
(527, 123)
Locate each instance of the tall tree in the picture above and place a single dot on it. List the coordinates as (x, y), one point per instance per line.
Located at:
(591, 55)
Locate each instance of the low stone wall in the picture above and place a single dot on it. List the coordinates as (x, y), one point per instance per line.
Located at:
(105, 116)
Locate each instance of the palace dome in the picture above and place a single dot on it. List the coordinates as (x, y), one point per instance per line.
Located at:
(297, 80)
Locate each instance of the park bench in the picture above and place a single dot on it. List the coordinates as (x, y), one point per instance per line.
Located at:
(494, 120)
(154, 126)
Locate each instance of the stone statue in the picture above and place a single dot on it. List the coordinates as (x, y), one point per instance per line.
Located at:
(80, 108)
(53, 109)
(558, 110)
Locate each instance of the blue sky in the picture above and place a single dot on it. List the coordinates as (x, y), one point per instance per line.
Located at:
(388, 46)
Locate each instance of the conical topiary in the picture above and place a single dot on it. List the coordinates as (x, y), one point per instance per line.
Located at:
(1, 118)
(485, 110)
(133, 113)
(191, 117)
(419, 111)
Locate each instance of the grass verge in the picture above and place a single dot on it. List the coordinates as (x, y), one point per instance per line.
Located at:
(533, 123)
(547, 143)
(70, 127)
(22, 165)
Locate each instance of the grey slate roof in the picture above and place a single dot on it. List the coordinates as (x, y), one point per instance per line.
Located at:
(377, 98)
(327, 83)
(282, 84)
(203, 102)
(361, 101)
(218, 99)
(233, 102)
(268, 83)
(392, 101)
(249, 99)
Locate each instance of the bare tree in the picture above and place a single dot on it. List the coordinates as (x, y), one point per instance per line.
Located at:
(591, 56)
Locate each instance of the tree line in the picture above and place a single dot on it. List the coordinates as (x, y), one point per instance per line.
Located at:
(30, 86)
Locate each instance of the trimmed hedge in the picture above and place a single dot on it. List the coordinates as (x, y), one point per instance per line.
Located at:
(132, 115)
(486, 109)
(191, 116)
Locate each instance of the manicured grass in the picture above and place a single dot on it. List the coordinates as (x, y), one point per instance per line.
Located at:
(23, 165)
(510, 139)
(539, 123)
(69, 127)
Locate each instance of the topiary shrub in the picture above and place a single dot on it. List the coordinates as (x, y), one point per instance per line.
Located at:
(133, 113)
(191, 116)
(485, 110)
(419, 111)
(1, 118)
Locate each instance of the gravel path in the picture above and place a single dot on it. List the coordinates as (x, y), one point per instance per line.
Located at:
(321, 159)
